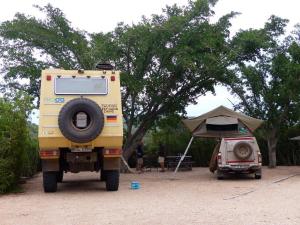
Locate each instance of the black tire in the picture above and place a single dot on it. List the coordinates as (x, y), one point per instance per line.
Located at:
(103, 175)
(242, 150)
(66, 116)
(59, 176)
(49, 181)
(257, 174)
(112, 180)
(220, 175)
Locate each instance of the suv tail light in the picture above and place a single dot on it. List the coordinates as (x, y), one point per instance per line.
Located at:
(112, 151)
(259, 157)
(219, 157)
(49, 154)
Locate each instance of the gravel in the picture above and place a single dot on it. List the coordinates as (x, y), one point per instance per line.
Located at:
(194, 197)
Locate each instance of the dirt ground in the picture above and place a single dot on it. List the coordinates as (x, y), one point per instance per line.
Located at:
(195, 197)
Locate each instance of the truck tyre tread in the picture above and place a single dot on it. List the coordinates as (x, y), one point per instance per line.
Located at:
(112, 180)
(102, 175)
(50, 181)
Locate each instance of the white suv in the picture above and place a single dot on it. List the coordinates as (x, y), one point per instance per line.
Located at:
(239, 155)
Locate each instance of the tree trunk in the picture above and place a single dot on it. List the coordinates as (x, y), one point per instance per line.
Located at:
(272, 143)
(131, 144)
(133, 139)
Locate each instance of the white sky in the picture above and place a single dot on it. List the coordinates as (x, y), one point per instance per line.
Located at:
(100, 15)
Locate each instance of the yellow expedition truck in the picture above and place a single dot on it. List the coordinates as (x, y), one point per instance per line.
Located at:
(80, 125)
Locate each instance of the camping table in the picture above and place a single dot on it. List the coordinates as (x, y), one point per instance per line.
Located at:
(172, 161)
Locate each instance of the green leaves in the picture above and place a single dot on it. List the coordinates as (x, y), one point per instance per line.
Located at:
(266, 77)
(166, 60)
(18, 149)
(30, 45)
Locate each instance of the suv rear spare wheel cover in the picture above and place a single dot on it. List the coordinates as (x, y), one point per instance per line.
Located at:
(81, 120)
(242, 150)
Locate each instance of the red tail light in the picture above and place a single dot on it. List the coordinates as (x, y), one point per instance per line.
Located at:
(219, 157)
(49, 154)
(113, 151)
(259, 157)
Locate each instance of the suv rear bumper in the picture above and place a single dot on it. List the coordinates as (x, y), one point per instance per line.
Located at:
(240, 168)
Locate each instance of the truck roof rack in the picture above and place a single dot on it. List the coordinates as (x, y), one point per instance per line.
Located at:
(104, 66)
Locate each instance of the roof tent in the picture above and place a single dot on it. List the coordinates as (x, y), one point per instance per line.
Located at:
(222, 122)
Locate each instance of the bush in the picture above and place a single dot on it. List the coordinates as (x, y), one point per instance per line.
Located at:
(31, 156)
(7, 176)
(18, 149)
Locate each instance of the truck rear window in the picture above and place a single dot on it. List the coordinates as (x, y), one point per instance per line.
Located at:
(80, 85)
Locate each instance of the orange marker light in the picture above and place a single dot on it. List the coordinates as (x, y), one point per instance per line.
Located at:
(48, 77)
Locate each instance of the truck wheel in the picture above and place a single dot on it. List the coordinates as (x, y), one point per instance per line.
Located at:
(112, 180)
(59, 176)
(102, 175)
(49, 181)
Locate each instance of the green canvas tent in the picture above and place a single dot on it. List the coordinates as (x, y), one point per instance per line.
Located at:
(222, 122)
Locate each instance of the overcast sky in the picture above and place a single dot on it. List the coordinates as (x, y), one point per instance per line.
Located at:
(96, 16)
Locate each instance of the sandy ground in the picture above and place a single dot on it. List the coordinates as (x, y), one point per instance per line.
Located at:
(195, 197)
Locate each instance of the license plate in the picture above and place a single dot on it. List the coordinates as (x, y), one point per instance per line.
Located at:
(81, 150)
(240, 166)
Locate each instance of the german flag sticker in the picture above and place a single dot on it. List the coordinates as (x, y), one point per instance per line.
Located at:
(111, 118)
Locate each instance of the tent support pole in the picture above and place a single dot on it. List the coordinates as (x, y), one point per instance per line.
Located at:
(183, 156)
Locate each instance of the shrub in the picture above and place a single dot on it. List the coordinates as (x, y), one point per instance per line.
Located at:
(18, 149)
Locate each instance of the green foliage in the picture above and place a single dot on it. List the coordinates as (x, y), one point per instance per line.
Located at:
(7, 176)
(18, 151)
(289, 151)
(167, 60)
(267, 73)
(30, 45)
(31, 156)
(266, 78)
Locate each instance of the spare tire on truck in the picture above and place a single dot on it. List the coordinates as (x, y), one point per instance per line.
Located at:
(242, 150)
(81, 120)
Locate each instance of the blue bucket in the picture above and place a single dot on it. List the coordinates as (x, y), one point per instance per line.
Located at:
(135, 185)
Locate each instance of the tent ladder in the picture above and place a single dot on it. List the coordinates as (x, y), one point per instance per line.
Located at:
(183, 156)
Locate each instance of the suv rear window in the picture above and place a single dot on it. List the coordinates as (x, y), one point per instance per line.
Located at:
(80, 85)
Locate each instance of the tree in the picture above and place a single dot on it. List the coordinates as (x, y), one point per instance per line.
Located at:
(167, 61)
(266, 77)
(29, 45)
